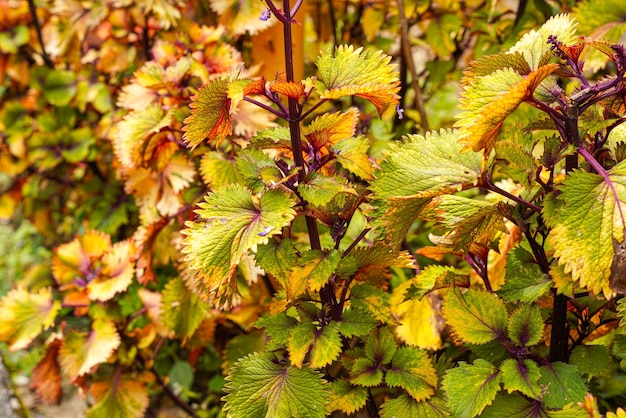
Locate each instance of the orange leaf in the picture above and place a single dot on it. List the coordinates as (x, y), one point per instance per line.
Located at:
(255, 87)
(210, 115)
(46, 376)
(291, 89)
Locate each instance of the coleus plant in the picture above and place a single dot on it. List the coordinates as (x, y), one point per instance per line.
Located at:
(533, 311)
(302, 224)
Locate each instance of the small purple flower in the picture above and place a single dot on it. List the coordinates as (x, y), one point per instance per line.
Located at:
(267, 13)
(400, 112)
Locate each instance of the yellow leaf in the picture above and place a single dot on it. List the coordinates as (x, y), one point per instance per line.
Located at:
(75, 259)
(116, 274)
(122, 396)
(81, 351)
(210, 115)
(24, 315)
(328, 129)
(420, 322)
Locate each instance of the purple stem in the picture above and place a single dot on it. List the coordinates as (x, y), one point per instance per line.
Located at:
(276, 12)
(266, 107)
(295, 8)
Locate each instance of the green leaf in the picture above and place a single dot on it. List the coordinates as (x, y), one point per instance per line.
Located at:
(476, 317)
(364, 372)
(323, 344)
(371, 299)
(210, 114)
(277, 327)
(241, 346)
(590, 226)
(278, 259)
(232, 221)
(469, 224)
(435, 277)
(513, 406)
(251, 164)
(534, 44)
(412, 370)
(181, 310)
(345, 397)
(320, 190)
(526, 326)
(362, 73)
(471, 387)
(380, 345)
(523, 280)
(492, 63)
(521, 375)
(355, 322)
(257, 387)
(520, 164)
(418, 169)
(406, 407)
(60, 87)
(217, 171)
(352, 154)
(562, 385)
(314, 271)
(591, 360)
(181, 374)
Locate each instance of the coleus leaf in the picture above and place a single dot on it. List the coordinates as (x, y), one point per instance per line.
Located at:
(488, 100)
(46, 376)
(232, 222)
(434, 277)
(81, 350)
(116, 273)
(313, 272)
(278, 259)
(319, 190)
(588, 228)
(412, 370)
(521, 375)
(365, 372)
(418, 169)
(523, 280)
(322, 343)
(257, 387)
(135, 130)
(591, 360)
(476, 317)
(326, 130)
(381, 345)
(471, 387)
(76, 258)
(24, 315)
(371, 299)
(278, 327)
(354, 322)
(182, 311)
(515, 405)
(218, 171)
(345, 397)
(121, 396)
(563, 383)
(407, 407)
(534, 45)
(210, 114)
(362, 73)
(525, 326)
(352, 154)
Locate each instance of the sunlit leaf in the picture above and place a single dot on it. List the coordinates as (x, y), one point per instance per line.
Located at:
(257, 387)
(120, 397)
(590, 226)
(362, 73)
(405, 406)
(352, 154)
(24, 315)
(488, 100)
(210, 115)
(83, 350)
(471, 387)
(476, 317)
(326, 130)
(182, 310)
(232, 221)
(345, 397)
(412, 370)
(521, 375)
(323, 344)
(313, 273)
(320, 190)
(563, 383)
(116, 273)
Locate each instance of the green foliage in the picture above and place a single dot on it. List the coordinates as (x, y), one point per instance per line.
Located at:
(247, 245)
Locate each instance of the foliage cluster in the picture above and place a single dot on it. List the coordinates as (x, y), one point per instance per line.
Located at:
(265, 246)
